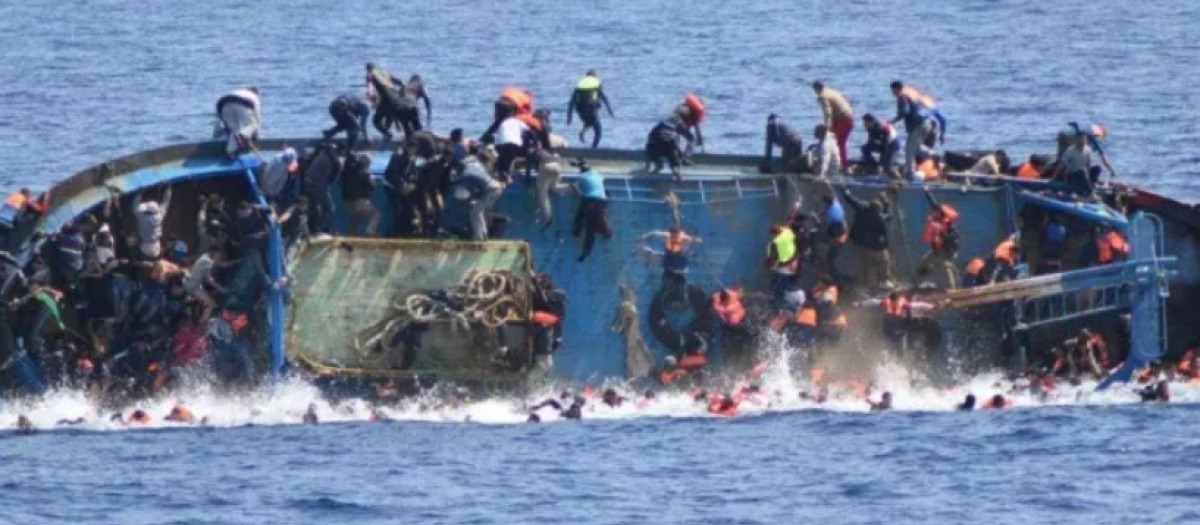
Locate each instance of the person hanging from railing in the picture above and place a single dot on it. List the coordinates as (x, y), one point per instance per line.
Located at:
(350, 114)
(882, 140)
(676, 244)
(837, 233)
(791, 147)
(239, 116)
(941, 234)
(869, 234)
(898, 308)
(1109, 247)
(1002, 265)
(831, 321)
(591, 217)
(586, 100)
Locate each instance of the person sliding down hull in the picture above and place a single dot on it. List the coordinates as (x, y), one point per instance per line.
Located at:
(586, 101)
(240, 115)
(350, 114)
(591, 218)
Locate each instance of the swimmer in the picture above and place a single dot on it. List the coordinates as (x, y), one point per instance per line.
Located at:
(180, 414)
(138, 416)
(884, 404)
(1160, 392)
(612, 399)
(998, 402)
(310, 417)
(24, 425)
(69, 422)
(723, 405)
(968, 404)
(575, 411)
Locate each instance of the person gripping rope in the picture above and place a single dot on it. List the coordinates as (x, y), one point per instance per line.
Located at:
(676, 244)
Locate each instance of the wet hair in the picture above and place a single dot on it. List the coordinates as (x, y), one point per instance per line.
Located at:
(897, 85)
(998, 401)
(869, 118)
(818, 85)
(776, 229)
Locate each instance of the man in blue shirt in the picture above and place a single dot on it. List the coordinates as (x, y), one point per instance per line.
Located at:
(591, 217)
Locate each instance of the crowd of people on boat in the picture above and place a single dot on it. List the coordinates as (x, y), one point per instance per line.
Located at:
(152, 306)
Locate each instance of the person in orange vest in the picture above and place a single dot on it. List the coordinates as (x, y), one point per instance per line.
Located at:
(1189, 362)
(941, 234)
(545, 325)
(997, 402)
(803, 330)
(1032, 168)
(1002, 265)
(513, 102)
(691, 113)
(17, 207)
(180, 414)
(674, 255)
(723, 405)
(696, 357)
(897, 310)
(671, 373)
(831, 321)
(1110, 247)
(973, 273)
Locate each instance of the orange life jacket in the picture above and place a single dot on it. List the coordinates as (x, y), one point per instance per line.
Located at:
(141, 418)
(722, 406)
(675, 244)
(731, 312)
(521, 97)
(930, 168)
(667, 377)
(1111, 246)
(181, 413)
(16, 200)
(693, 360)
(975, 266)
(236, 320)
(896, 308)
(816, 374)
(937, 227)
(543, 318)
(1003, 251)
(533, 122)
(807, 317)
(1097, 344)
(1185, 363)
(1028, 171)
(696, 104)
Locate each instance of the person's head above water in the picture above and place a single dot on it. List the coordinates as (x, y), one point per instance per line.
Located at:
(968, 403)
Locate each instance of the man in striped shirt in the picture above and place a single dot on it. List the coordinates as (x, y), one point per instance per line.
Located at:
(837, 115)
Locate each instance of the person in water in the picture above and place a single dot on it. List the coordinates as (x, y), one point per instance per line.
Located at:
(575, 411)
(1159, 392)
(310, 416)
(884, 403)
(968, 404)
(24, 425)
(586, 101)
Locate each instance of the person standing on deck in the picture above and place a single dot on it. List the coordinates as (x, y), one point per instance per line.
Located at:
(915, 109)
(586, 101)
(827, 162)
(882, 140)
(837, 115)
(674, 257)
(1096, 134)
(240, 115)
(350, 114)
(869, 234)
(942, 236)
(591, 217)
(790, 144)
(1076, 164)
(513, 102)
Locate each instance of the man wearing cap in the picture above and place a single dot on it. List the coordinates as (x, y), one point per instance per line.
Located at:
(240, 117)
(275, 178)
(591, 217)
(150, 216)
(350, 115)
(790, 144)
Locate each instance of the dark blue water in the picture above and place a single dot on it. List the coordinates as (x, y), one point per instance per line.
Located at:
(82, 81)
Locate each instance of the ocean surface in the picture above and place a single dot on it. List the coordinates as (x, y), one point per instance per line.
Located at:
(83, 81)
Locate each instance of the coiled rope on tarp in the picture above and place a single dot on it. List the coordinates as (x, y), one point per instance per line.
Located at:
(490, 299)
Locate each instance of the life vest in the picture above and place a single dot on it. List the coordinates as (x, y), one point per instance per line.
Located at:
(839, 320)
(785, 245)
(1028, 171)
(692, 361)
(895, 308)
(731, 312)
(544, 318)
(667, 377)
(807, 317)
(722, 406)
(16, 200)
(1111, 246)
(930, 168)
(590, 85)
(1003, 252)
(182, 414)
(937, 228)
(975, 266)
(696, 104)
(530, 120)
(236, 320)
(520, 97)
(675, 244)
(991, 404)
(919, 97)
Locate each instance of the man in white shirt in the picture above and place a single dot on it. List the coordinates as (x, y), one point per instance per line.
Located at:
(510, 144)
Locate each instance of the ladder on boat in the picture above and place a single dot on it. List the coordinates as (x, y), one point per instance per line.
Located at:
(1139, 286)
